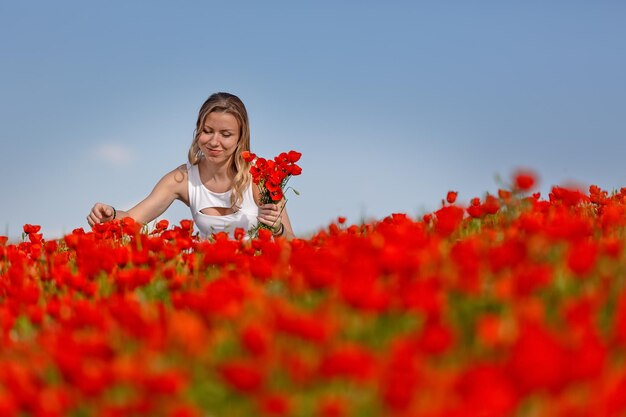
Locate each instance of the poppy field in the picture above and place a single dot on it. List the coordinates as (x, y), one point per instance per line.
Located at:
(512, 305)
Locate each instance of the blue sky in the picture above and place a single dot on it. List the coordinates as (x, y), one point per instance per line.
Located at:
(391, 105)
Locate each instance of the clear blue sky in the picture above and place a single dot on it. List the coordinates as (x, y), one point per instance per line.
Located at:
(392, 105)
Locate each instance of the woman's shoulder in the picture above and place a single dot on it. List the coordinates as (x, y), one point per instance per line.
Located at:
(180, 173)
(176, 178)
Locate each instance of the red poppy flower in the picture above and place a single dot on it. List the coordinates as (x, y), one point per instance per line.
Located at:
(255, 339)
(582, 257)
(448, 219)
(293, 156)
(30, 228)
(332, 407)
(538, 359)
(524, 180)
(349, 361)
(294, 170)
(275, 405)
(243, 376)
(248, 156)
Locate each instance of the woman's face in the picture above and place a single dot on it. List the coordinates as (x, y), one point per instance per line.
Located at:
(219, 136)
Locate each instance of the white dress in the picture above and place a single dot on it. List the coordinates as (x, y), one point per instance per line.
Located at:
(201, 197)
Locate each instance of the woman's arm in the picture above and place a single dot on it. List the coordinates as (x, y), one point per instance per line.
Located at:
(284, 218)
(274, 215)
(173, 186)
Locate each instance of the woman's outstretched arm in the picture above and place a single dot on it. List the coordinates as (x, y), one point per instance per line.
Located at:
(173, 186)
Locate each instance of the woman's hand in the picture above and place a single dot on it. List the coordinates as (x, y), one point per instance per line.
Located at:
(270, 214)
(100, 213)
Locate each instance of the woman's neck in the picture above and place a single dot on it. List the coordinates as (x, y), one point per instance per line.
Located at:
(218, 172)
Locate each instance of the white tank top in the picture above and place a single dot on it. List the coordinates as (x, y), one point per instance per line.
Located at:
(201, 197)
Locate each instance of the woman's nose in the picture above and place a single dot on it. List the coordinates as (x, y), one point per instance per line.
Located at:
(212, 140)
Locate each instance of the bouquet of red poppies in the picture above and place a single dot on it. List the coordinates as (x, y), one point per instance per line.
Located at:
(272, 175)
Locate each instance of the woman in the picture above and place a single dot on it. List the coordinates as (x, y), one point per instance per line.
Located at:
(215, 183)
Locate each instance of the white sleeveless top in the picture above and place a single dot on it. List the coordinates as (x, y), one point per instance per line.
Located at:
(201, 197)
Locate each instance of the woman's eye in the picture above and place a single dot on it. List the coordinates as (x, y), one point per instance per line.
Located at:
(226, 135)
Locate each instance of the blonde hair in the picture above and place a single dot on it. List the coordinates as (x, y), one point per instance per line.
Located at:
(231, 104)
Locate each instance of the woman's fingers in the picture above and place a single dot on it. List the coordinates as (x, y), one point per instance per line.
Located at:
(105, 210)
(273, 208)
(99, 213)
(269, 214)
(92, 219)
(269, 210)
